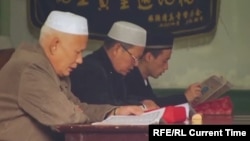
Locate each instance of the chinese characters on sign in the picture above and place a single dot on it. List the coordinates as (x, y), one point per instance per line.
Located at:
(182, 17)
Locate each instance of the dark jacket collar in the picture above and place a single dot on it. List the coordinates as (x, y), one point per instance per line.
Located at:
(102, 56)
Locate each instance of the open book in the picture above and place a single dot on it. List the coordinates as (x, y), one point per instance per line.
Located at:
(147, 118)
(152, 117)
(212, 88)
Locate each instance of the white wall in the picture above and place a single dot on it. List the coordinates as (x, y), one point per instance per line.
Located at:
(226, 54)
(5, 42)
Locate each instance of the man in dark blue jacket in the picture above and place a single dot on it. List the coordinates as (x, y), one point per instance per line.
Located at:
(100, 79)
(153, 63)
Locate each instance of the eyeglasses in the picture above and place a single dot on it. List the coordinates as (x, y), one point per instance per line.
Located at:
(136, 60)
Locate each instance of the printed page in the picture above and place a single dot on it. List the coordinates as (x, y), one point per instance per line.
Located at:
(147, 118)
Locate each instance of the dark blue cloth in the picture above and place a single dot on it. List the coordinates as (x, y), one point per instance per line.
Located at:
(95, 81)
(137, 89)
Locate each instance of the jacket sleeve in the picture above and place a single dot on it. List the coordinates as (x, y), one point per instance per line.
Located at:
(174, 99)
(90, 84)
(136, 88)
(40, 96)
(95, 112)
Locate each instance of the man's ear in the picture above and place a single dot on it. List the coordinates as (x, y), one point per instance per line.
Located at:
(148, 56)
(54, 45)
(116, 49)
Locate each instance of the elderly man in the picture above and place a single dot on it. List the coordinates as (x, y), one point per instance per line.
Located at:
(35, 88)
(100, 79)
(153, 63)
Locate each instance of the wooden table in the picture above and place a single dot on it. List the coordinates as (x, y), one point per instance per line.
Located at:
(84, 132)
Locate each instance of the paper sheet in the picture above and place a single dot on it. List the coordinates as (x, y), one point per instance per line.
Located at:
(151, 117)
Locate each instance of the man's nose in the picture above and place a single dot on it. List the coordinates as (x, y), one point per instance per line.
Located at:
(79, 59)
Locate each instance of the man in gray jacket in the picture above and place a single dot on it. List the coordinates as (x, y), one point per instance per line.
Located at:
(35, 91)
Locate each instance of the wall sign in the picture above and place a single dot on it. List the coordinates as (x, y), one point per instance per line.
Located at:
(182, 17)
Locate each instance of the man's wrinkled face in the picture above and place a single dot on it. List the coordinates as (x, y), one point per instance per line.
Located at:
(158, 65)
(68, 54)
(126, 59)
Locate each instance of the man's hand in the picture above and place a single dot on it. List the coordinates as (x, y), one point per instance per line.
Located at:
(128, 110)
(193, 92)
(149, 104)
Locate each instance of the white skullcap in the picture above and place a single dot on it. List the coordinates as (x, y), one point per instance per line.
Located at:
(128, 33)
(67, 22)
